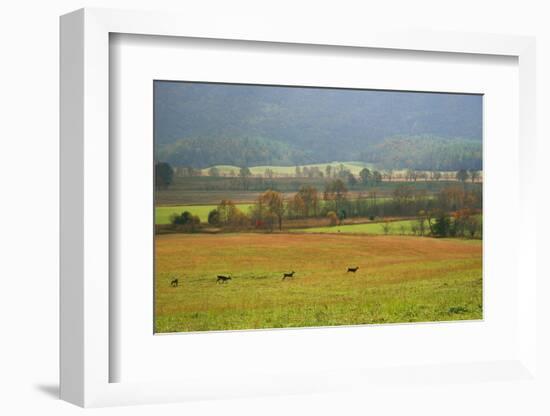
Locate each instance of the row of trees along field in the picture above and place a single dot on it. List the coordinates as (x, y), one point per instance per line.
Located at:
(245, 180)
(340, 171)
(450, 212)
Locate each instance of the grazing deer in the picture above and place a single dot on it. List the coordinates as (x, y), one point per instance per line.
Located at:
(285, 275)
(352, 269)
(223, 279)
(174, 283)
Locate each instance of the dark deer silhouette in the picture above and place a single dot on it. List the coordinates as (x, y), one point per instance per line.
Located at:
(174, 283)
(285, 275)
(352, 269)
(223, 279)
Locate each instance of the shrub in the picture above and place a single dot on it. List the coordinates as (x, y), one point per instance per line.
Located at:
(182, 219)
(239, 219)
(186, 221)
(421, 223)
(333, 218)
(231, 216)
(341, 215)
(214, 217)
(442, 225)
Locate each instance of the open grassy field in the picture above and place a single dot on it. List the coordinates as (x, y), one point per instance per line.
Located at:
(396, 228)
(353, 167)
(400, 279)
(163, 213)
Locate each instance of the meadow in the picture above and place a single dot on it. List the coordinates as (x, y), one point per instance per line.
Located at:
(400, 279)
(163, 213)
(395, 227)
(353, 167)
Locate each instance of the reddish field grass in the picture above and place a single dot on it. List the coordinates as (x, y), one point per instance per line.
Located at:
(400, 279)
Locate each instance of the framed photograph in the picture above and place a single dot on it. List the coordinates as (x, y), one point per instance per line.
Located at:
(270, 212)
(315, 206)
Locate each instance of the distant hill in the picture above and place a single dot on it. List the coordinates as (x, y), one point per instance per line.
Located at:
(425, 153)
(202, 125)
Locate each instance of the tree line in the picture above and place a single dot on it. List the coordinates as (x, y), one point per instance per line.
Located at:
(451, 212)
(243, 179)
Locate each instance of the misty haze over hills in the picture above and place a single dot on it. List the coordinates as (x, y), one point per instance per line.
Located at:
(201, 125)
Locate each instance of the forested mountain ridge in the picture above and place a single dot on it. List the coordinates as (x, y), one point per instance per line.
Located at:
(202, 124)
(425, 153)
(239, 151)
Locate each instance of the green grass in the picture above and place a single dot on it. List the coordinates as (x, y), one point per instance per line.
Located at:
(402, 227)
(396, 228)
(163, 213)
(400, 279)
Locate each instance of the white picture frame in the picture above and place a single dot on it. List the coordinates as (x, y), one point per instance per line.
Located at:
(85, 210)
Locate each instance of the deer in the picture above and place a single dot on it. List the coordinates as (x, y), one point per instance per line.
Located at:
(174, 283)
(223, 279)
(291, 274)
(352, 269)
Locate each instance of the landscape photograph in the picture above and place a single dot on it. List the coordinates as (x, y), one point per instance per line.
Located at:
(293, 207)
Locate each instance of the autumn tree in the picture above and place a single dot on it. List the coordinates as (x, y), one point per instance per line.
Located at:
(296, 206)
(335, 191)
(465, 222)
(230, 215)
(273, 203)
(452, 198)
(332, 218)
(310, 198)
(402, 196)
